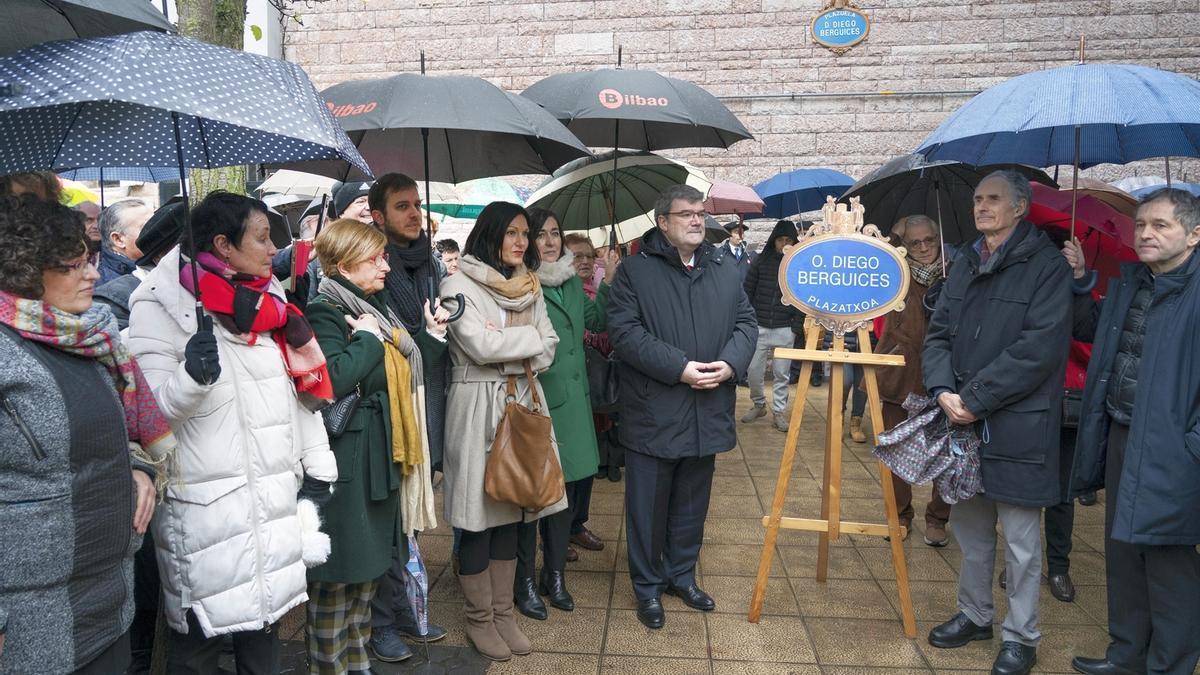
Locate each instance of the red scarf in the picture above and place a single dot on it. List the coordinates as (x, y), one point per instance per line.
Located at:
(243, 305)
(93, 334)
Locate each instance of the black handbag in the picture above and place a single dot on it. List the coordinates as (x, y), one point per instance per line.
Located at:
(1072, 408)
(603, 384)
(337, 414)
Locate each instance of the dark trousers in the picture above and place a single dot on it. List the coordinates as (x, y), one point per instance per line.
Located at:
(1153, 591)
(390, 605)
(255, 652)
(937, 511)
(114, 659)
(612, 453)
(476, 550)
(556, 532)
(1060, 523)
(145, 605)
(666, 502)
(579, 496)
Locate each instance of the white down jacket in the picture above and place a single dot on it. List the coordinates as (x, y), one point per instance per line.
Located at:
(227, 535)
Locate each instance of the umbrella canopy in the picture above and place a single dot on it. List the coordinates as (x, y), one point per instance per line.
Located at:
(1141, 192)
(581, 193)
(469, 198)
(31, 22)
(910, 185)
(289, 182)
(638, 109)
(135, 174)
(1054, 206)
(793, 192)
(1123, 113)
(153, 99)
(726, 198)
(714, 232)
(474, 128)
(1109, 194)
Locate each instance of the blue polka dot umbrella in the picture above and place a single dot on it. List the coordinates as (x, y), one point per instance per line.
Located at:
(154, 99)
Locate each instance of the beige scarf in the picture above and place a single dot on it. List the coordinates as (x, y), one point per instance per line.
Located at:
(516, 295)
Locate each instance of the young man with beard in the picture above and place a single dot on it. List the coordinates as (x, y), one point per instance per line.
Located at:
(396, 210)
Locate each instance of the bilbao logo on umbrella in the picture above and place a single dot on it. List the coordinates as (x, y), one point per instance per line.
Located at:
(613, 99)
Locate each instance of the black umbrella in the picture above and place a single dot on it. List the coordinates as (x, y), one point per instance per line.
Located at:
(30, 22)
(154, 99)
(446, 128)
(943, 190)
(638, 109)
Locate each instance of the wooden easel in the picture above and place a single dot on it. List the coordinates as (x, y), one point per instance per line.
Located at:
(830, 524)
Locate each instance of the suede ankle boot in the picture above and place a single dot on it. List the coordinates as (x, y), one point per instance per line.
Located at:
(503, 572)
(481, 629)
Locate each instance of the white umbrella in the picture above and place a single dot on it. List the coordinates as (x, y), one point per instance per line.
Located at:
(288, 182)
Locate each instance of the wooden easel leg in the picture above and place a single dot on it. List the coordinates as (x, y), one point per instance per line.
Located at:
(889, 496)
(832, 485)
(786, 465)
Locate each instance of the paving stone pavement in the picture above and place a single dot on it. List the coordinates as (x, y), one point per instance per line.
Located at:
(848, 625)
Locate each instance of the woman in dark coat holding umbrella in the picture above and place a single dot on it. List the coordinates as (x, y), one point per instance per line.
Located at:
(356, 331)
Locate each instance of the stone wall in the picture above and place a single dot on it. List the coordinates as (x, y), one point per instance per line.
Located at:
(936, 53)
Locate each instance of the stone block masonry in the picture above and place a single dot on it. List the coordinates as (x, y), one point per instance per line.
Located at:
(934, 52)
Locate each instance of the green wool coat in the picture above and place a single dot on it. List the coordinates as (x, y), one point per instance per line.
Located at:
(362, 518)
(565, 383)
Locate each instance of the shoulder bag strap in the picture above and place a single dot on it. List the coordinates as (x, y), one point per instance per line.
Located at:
(533, 390)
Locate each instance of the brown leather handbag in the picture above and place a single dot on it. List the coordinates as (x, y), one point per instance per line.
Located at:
(522, 467)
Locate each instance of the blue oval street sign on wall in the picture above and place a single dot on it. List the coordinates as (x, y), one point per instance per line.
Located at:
(844, 277)
(840, 26)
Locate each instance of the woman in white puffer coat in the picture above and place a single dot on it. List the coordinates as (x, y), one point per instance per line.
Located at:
(240, 399)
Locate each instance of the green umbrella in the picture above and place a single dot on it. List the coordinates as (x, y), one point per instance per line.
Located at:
(581, 193)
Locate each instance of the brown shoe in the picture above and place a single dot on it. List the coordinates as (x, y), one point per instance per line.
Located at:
(480, 626)
(503, 572)
(572, 554)
(586, 539)
(935, 535)
(856, 430)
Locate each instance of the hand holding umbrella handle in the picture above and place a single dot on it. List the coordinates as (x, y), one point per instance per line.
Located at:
(200, 355)
(435, 301)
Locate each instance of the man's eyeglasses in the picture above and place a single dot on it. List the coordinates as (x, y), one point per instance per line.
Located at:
(921, 243)
(688, 215)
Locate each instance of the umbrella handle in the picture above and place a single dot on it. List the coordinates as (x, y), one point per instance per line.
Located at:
(462, 305)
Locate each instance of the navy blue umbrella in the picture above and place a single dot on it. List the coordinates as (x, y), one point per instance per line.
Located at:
(1119, 113)
(792, 192)
(139, 174)
(155, 99)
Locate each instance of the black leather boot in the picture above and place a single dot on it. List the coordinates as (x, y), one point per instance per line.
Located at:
(553, 585)
(526, 599)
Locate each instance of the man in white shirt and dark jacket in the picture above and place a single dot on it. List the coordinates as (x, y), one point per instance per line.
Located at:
(684, 332)
(1139, 439)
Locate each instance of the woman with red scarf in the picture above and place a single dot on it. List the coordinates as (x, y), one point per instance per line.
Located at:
(240, 388)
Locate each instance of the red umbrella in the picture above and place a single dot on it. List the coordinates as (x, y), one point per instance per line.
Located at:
(726, 198)
(1105, 235)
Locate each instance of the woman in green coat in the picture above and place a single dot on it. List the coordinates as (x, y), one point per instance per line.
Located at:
(353, 326)
(566, 388)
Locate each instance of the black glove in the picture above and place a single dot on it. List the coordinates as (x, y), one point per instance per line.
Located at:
(315, 490)
(200, 358)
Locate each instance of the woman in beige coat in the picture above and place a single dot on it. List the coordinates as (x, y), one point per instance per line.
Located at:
(504, 323)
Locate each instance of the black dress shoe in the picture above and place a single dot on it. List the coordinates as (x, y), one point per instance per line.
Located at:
(1099, 667)
(693, 597)
(526, 599)
(553, 585)
(614, 473)
(958, 631)
(1014, 659)
(1061, 587)
(1003, 580)
(650, 613)
(1087, 499)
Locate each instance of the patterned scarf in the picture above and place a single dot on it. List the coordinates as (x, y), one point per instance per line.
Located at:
(93, 334)
(243, 305)
(926, 275)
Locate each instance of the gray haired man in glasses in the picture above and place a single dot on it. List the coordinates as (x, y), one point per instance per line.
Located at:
(684, 332)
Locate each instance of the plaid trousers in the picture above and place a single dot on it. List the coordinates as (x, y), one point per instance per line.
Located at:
(339, 626)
